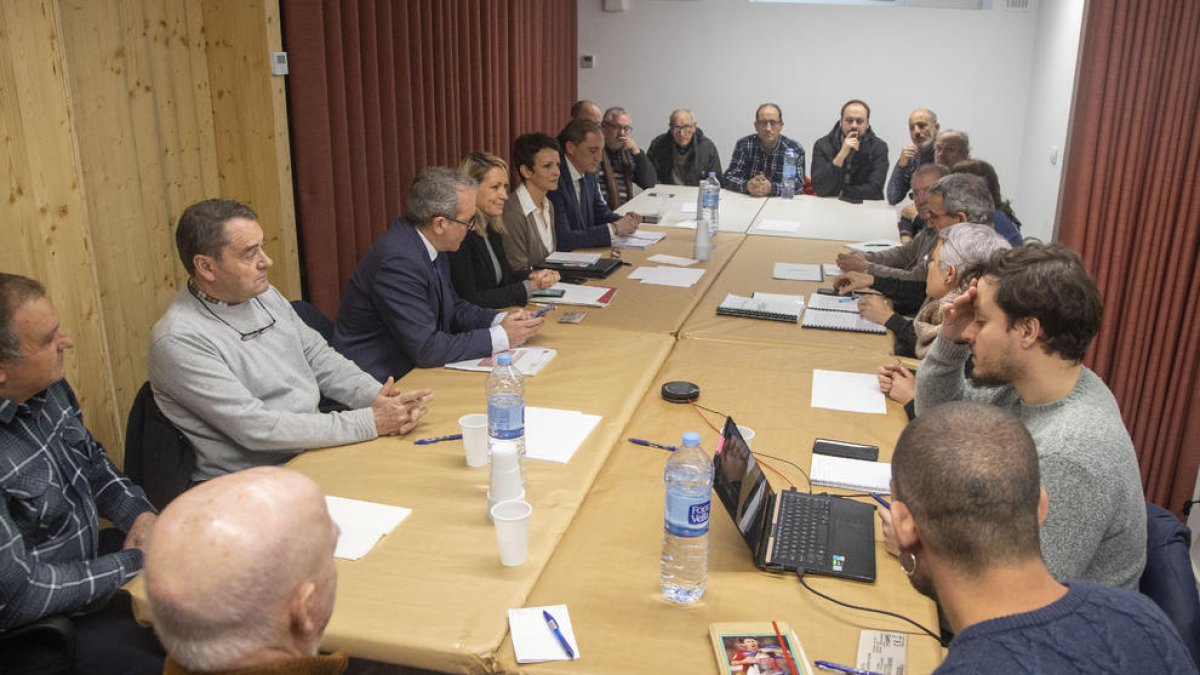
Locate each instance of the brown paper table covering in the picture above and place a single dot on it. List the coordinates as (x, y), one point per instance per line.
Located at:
(750, 271)
(651, 308)
(606, 567)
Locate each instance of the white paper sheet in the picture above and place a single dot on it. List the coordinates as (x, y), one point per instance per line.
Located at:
(362, 524)
(832, 270)
(780, 297)
(671, 260)
(639, 239)
(573, 258)
(797, 271)
(686, 224)
(773, 225)
(852, 392)
(555, 435)
(687, 207)
(577, 294)
(533, 641)
(833, 303)
(667, 276)
(883, 652)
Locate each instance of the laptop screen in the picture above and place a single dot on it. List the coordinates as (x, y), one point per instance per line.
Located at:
(741, 485)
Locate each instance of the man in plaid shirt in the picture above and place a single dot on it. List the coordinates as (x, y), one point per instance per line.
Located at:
(56, 482)
(757, 165)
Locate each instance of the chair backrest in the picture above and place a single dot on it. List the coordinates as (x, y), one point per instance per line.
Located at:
(1168, 577)
(45, 647)
(157, 454)
(312, 316)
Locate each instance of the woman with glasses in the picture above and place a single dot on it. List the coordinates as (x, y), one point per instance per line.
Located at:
(480, 268)
(529, 215)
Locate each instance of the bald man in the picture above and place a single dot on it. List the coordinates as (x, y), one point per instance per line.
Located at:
(240, 576)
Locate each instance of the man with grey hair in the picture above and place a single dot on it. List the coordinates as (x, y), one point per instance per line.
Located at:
(400, 310)
(922, 130)
(684, 155)
(240, 576)
(623, 164)
(240, 373)
(951, 147)
(953, 199)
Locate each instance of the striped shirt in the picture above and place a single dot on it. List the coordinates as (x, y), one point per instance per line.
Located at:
(751, 159)
(56, 482)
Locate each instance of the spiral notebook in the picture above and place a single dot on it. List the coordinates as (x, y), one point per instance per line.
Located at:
(761, 308)
(838, 313)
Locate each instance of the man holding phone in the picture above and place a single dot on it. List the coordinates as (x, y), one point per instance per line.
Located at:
(850, 162)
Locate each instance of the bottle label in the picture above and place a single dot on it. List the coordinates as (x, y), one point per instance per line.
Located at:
(506, 423)
(687, 517)
(711, 199)
(789, 170)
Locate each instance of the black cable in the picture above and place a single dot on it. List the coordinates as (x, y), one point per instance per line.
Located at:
(935, 636)
(786, 461)
(715, 412)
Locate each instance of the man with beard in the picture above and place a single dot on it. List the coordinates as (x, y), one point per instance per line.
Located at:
(966, 509)
(850, 161)
(623, 165)
(1027, 321)
(922, 129)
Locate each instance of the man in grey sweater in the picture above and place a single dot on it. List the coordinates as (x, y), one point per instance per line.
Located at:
(1027, 321)
(234, 367)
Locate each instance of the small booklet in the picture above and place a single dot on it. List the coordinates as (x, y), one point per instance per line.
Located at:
(761, 308)
(851, 474)
(529, 360)
(763, 647)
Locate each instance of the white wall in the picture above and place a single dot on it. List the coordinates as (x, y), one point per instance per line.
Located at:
(1052, 81)
(721, 58)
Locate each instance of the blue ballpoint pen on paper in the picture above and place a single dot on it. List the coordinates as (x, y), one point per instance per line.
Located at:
(437, 439)
(843, 669)
(652, 444)
(882, 502)
(848, 298)
(562, 640)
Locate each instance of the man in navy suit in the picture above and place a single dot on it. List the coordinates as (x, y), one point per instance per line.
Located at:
(582, 218)
(400, 310)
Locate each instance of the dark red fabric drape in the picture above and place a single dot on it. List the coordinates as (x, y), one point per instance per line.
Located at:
(1131, 207)
(380, 89)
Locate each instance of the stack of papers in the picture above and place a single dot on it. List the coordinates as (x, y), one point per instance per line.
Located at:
(672, 260)
(580, 259)
(361, 524)
(533, 641)
(797, 272)
(667, 276)
(852, 392)
(773, 225)
(554, 435)
(873, 245)
(529, 360)
(639, 239)
(586, 296)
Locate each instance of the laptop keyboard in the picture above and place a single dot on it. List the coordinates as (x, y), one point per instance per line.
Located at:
(802, 533)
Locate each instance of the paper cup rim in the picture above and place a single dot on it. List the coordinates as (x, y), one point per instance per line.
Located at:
(526, 510)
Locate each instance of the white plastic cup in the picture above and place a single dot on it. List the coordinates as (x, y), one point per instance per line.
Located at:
(747, 435)
(512, 531)
(474, 433)
(520, 497)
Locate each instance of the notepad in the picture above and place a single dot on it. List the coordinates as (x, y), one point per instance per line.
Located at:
(797, 272)
(846, 321)
(761, 308)
(851, 474)
(567, 258)
(555, 435)
(533, 641)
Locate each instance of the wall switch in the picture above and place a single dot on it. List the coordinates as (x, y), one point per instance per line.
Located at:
(279, 64)
(1053, 155)
(587, 61)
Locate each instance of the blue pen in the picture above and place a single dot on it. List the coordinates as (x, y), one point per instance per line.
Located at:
(437, 439)
(562, 640)
(882, 502)
(652, 444)
(848, 298)
(843, 669)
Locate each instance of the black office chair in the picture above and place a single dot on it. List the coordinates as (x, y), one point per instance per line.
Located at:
(1168, 578)
(46, 647)
(157, 454)
(313, 317)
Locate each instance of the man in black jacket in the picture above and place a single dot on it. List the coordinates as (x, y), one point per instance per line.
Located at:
(623, 164)
(851, 161)
(684, 155)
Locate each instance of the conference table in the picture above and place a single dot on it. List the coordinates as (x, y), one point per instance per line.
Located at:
(812, 217)
(737, 211)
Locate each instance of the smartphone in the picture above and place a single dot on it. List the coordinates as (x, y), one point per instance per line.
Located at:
(827, 291)
(549, 293)
(544, 311)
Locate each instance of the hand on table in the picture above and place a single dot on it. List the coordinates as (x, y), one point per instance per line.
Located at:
(849, 282)
(874, 308)
(627, 224)
(852, 262)
(897, 383)
(398, 412)
(758, 186)
(540, 279)
(520, 325)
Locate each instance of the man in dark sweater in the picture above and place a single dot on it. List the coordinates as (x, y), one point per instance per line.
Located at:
(967, 506)
(850, 161)
(684, 155)
(624, 165)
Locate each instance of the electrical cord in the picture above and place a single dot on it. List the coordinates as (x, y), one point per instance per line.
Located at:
(923, 629)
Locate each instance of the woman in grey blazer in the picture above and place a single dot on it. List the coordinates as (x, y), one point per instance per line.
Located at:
(528, 215)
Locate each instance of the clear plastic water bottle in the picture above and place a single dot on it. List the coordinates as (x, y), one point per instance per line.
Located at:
(788, 189)
(689, 479)
(505, 388)
(710, 202)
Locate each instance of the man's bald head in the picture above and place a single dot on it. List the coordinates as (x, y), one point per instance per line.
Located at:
(587, 110)
(240, 570)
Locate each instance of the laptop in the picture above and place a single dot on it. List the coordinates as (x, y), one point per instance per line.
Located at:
(792, 530)
(597, 270)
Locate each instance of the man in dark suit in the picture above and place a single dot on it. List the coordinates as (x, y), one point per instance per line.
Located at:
(400, 310)
(582, 218)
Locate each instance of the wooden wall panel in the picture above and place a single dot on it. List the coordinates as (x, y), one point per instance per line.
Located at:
(46, 234)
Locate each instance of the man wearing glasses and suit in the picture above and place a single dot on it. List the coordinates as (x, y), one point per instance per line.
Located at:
(582, 217)
(400, 310)
(236, 369)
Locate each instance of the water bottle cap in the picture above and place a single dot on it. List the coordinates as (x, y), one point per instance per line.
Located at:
(691, 438)
(504, 359)
(712, 174)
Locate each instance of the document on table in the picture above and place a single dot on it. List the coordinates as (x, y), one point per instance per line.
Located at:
(773, 225)
(671, 260)
(533, 641)
(586, 296)
(667, 276)
(797, 272)
(554, 435)
(831, 269)
(639, 239)
(686, 224)
(573, 258)
(883, 652)
(873, 245)
(529, 360)
(852, 392)
(851, 474)
(833, 303)
(361, 524)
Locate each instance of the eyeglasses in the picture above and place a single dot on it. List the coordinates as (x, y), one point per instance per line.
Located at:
(676, 128)
(246, 336)
(619, 127)
(768, 123)
(469, 226)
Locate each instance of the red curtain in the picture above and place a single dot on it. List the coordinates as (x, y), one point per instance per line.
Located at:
(380, 89)
(1131, 207)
